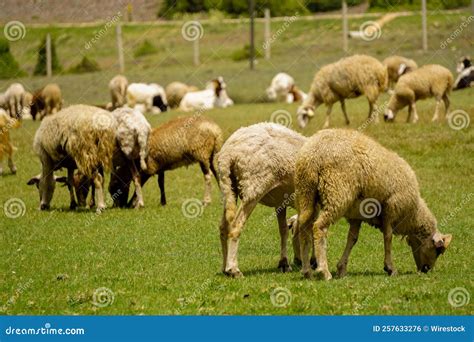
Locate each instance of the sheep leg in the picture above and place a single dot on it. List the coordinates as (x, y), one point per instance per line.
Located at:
(387, 239)
(415, 113)
(320, 233)
(47, 183)
(410, 113)
(373, 115)
(343, 107)
(207, 183)
(138, 187)
(70, 187)
(303, 232)
(352, 237)
(244, 211)
(11, 164)
(224, 232)
(283, 264)
(161, 184)
(436, 113)
(92, 200)
(446, 104)
(328, 112)
(98, 181)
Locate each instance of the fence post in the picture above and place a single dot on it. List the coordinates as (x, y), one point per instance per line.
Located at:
(267, 33)
(118, 30)
(423, 25)
(196, 51)
(345, 27)
(252, 33)
(49, 65)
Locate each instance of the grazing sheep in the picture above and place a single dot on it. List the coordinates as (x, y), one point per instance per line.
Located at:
(46, 101)
(6, 147)
(180, 142)
(347, 78)
(118, 91)
(175, 92)
(152, 96)
(398, 66)
(428, 81)
(214, 96)
(256, 164)
(27, 101)
(78, 136)
(14, 99)
(283, 88)
(465, 71)
(343, 173)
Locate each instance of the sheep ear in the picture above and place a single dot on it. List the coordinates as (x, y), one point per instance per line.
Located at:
(442, 241)
(402, 69)
(34, 180)
(61, 179)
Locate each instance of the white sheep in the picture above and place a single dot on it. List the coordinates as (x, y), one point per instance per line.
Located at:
(214, 96)
(428, 81)
(347, 78)
(118, 91)
(283, 88)
(256, 164)
(151, 96)
(14, 99)
(175, 92)
(343, 173)
(79, 136)
(398, 66)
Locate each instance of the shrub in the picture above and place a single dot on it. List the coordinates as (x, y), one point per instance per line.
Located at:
(416, 4)
(40, 68)
(243, 54)
(9, 67)
(84, 66)
(146, 48)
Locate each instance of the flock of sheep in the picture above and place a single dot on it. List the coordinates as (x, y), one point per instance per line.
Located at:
(335, 173)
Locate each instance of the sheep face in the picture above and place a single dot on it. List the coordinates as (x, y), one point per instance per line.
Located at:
(160, 103)
(463, 63)
(427, 251)
(271, 94)
(303, 115)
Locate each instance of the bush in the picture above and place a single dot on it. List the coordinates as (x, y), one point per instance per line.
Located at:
(9, 67)
(40, 68)
(416, 4)
(243, 54)
(146, 48)
(328, 5)
(84, 66)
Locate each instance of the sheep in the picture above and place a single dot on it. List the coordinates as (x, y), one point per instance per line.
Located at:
(256, 164)
(349, 77)
(283, 88)
(6, 147)
(118, 91)
(214, 96)
(27, 101)
(179, 142)
(175, 92)
(465, 71)
(398, 66)
(343, 173)
(78, 136)
(46, 101)
(152, 96)
(428, 81)
(14, 99)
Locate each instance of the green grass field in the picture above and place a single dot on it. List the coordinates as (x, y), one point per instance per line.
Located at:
(157, 261)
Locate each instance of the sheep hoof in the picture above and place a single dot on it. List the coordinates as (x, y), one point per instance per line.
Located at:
(297, 262)
(284, 266)
(44, 206)
(13, 170)
(314, 263)
(100, 209)
(139, 205)
(341, 271)
(163, 202)
(234, 273)
(324, 274)
(1, 172)
(205, 203)
(307, 275)
(73, 205)
(390, 271)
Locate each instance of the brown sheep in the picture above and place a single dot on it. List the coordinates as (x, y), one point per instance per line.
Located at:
(46, 101)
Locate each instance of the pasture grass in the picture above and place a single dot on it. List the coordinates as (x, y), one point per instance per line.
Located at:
(157, 261)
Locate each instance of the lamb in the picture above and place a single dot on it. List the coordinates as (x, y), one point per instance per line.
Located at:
(349, 77)
(283, 88)
(175, 92)
(118, 91)
(14, 99)
(179, 142)
(78, 136)
(214, 96)
(465, 71)
(46, 101)
(256, 164)
(6, 147)
(428, 81)
(152, 96)
(343, 173)
(398, 66)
